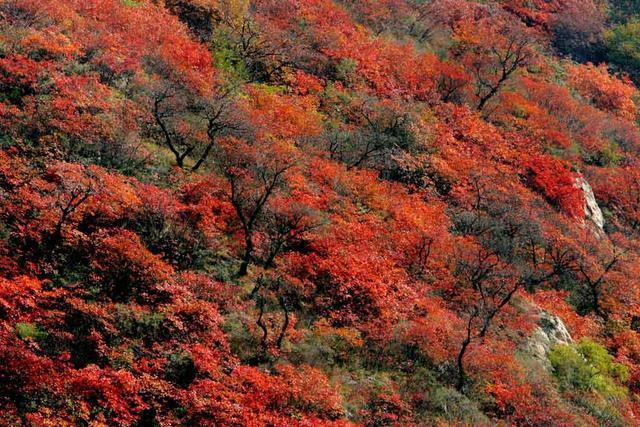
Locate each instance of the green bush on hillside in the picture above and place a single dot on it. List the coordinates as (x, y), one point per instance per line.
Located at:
(587, 366)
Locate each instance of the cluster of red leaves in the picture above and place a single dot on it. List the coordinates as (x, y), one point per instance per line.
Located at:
(557, 183)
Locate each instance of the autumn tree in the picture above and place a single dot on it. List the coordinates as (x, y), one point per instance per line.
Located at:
(493, 288)
(619, 191)
(275, 293)
(254, 173)
(430, 18)
(75, 187)
(400, 184)
(140, 274)
(607, 92)
(381, 130)
(493, 50)
(285, 226)
(599, 267)
(241, 44)
(557, 183)
(496, 258)
(187, 122)
(452, 82)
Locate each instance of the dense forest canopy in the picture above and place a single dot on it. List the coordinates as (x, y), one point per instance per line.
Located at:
(319, 212)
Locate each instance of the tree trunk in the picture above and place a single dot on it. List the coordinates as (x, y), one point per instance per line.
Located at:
(248, 254)
(459, 361)
(285, 325)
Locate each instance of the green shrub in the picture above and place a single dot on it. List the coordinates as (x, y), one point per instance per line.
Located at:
(623, 47)
(587, 366)
(29, 331)
(327, 349)
(345, 70)
(148, 326)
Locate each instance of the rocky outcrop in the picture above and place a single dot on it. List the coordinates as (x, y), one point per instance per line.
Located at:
(550, 332)
(592, 211)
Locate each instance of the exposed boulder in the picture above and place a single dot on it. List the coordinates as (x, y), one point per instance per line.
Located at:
(592, 211)
(550, 332)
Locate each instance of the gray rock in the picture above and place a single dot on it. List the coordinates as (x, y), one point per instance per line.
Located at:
(592, 211)
(551, 331)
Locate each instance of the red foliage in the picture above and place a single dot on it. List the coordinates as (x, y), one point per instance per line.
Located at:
(557, 183)
(124, 268)
(106, 396)
(364, 223)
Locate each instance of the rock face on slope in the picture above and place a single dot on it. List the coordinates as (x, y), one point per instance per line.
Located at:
(550, 332)
(592, 211)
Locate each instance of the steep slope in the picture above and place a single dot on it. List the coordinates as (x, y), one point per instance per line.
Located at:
(318, 212)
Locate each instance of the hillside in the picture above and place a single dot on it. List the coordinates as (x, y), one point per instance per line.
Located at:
(319, 212)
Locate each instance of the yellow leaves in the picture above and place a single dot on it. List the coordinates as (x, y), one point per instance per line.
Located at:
(234, 11)
(55, 43)
(351, 335)
(467, 33)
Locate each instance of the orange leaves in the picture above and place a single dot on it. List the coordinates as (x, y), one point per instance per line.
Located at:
(73, 193)
(606, 92)
(191, 61)
(281, 116)
(367, 166)
(79, 108)
(123, 35)
(383, 67)
(540, 12)
(395, 70)
(526, 403)
(104, 42)
(451, 81)
(20, 70)
(493, 48)
(556, 302)
(383, 405)
(619, 190)
(358, 273)
(306, 83)
(564, 120)
(206, 205)
(256, 166)
(306, 387)
(115, 197)
(532, 119)
(331, 24)
(51, 42)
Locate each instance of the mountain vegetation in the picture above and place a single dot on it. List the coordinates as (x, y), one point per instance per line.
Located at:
(319, 212)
